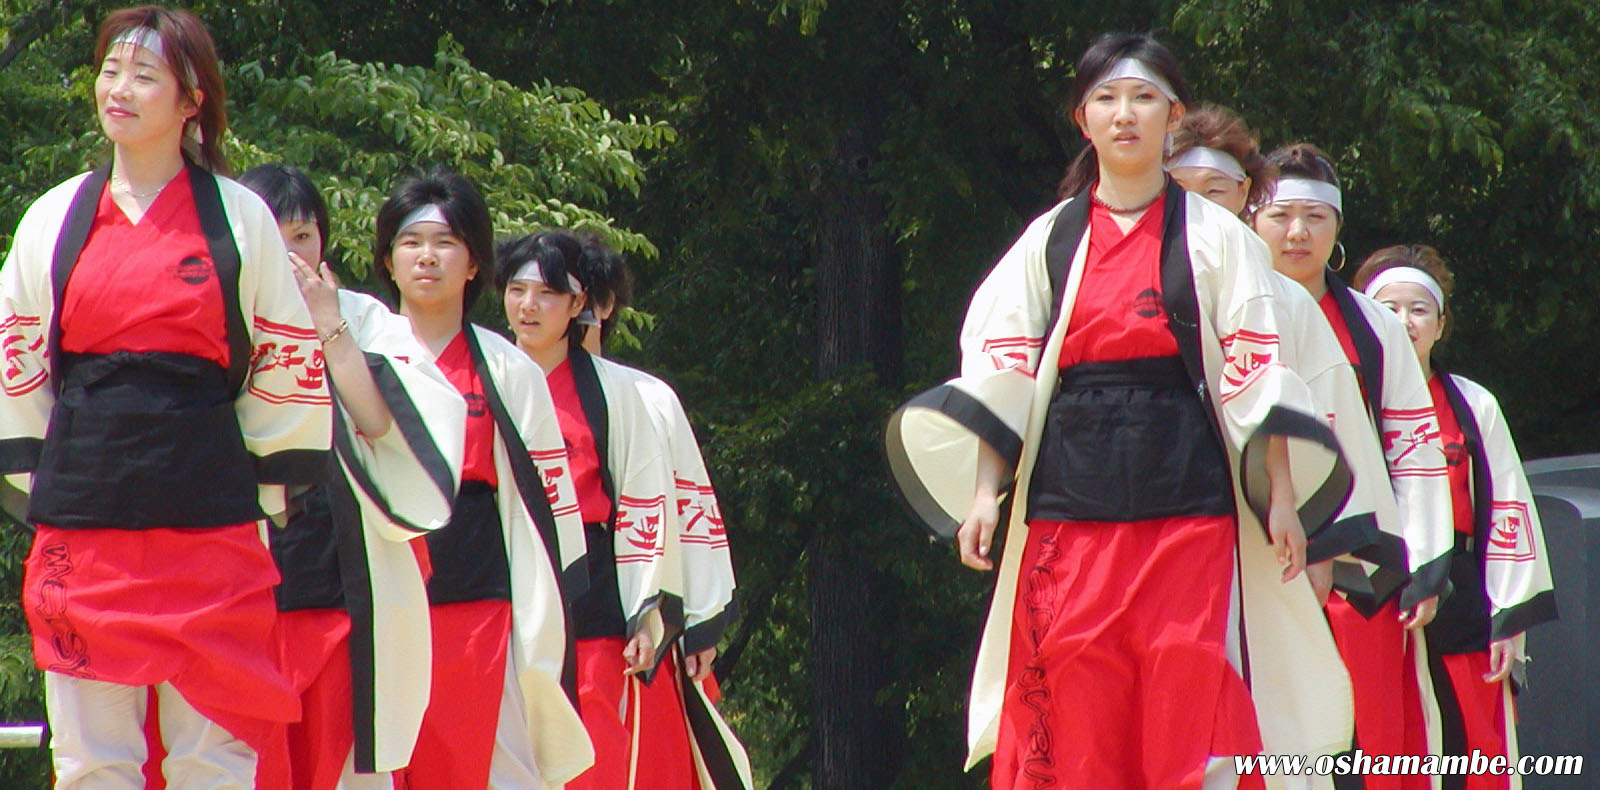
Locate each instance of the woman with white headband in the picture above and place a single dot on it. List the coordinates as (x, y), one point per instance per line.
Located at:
(1380, 604)
(1499, 566)
(348, 552)
(623, 474)
(705, 565)
(1157, 450)
(1215, 154)
(162, 383)
(503, 571)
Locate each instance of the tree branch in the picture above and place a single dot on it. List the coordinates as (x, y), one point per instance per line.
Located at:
(34, 25)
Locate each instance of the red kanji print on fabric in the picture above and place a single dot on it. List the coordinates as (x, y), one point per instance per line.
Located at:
(22, 341)
(1013, 352)
(1246, 356)
(1510, 537)
(298, 351)
(1403, 433)
(699, 515)
(640, 522)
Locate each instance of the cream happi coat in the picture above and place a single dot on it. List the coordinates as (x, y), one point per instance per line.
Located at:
(1299, 685)
(1510, 545)
(389, 491)
(544, 546)
(703, 579)
(1416, 546)
(1312, 351)
(283, 407)
(1516, 563)
(638, 476)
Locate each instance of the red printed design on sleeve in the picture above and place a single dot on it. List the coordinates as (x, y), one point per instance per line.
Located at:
(287, 365)
(23, 342)
(557, 482)
(1013, 352)
(1405, 431)
(699, 515)
(1246, 355)
(1510, 534)
(639, 522)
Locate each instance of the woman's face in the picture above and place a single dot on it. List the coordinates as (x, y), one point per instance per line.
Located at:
(138, 100)
(1301, 234)
(431, 266)
(303, 238)
(538, 314)
(1127, 121)
(1214, 185)
(1418, 312)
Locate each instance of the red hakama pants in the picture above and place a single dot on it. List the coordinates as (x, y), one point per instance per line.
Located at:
(1481, 707)
(1119, 675)
(456, 744)
(1383, 681)
(614, 707)
(192, 607)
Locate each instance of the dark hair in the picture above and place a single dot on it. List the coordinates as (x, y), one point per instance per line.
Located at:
(1100, 56)
(1213, 126)
(610, 282)
(1304, 160)
(193, 58)
(558, 254)
(461, 205)
(1416, 256)
(288, 191)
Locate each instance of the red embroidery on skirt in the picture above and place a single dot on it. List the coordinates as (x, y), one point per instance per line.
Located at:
(72, 653)
(1038, 762)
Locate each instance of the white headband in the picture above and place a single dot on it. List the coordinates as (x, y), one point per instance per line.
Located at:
(586, 318)
(150, 39)
(1136, 69)
(1307, 189)
(426, 213)
(1220, 161)
(1407, 274)
(146, 37)
(531, 272)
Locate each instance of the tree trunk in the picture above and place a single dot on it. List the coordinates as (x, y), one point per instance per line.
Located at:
(858, 324)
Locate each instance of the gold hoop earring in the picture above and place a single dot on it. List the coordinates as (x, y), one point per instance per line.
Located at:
(1342, 258)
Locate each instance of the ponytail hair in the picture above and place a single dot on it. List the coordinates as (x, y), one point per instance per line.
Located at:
(610, 282)
(1104, 53)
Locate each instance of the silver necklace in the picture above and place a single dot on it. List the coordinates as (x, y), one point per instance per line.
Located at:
(128, 188)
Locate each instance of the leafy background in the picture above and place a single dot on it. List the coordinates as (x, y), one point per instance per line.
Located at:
(809, 191)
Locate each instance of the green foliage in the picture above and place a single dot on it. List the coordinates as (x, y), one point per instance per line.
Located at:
(547, 156)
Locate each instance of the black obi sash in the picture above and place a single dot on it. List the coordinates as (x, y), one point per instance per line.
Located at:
(1462, 624)
(598, 612)
(141, 440)
(306, 552)
(1128, 441)
(469, 556)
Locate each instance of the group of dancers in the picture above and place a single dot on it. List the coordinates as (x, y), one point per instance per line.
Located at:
(1244, 509)
(287, 537)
